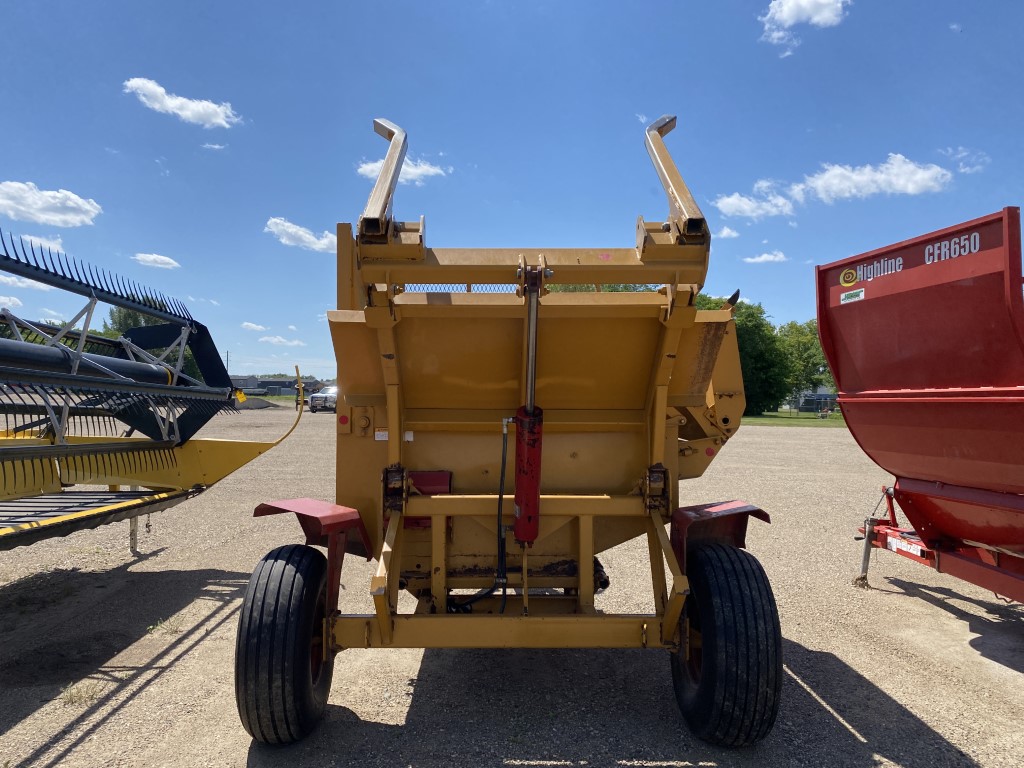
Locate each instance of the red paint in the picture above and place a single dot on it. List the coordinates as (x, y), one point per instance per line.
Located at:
(431, 482)
(343, 419)
(338, 528)
(709, 451)
(719, 521)
(1002, 574)
(928, 358)
(528, 445)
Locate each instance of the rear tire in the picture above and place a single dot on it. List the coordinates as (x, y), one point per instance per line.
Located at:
(729, 685)
(282, 669)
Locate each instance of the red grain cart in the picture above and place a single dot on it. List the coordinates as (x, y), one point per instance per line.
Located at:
(925, 339)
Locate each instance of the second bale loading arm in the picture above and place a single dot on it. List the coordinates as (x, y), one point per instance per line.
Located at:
(613, 397)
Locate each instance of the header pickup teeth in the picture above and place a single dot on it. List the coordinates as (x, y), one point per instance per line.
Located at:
(61, 271)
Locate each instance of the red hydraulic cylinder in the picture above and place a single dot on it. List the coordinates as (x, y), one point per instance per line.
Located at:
(528, 443)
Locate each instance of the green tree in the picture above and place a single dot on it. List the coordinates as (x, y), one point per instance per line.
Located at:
(121, 320)
(765, 365)
(808, 368)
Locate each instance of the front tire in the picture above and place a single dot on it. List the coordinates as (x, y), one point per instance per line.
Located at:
(282, 669)
(728, 674)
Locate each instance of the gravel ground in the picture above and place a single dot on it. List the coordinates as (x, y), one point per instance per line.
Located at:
(109, 659)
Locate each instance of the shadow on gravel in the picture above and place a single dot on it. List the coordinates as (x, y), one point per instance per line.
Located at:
(62, 630)
(608, 708)
(1000, 632)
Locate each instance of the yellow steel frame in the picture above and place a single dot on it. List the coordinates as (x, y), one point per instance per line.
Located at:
(197, 463)
(639, 390)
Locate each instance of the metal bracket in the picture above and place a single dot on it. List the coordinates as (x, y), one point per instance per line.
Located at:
(396, 489)
(655, 486)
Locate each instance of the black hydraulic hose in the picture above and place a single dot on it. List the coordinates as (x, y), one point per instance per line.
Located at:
(501, 576)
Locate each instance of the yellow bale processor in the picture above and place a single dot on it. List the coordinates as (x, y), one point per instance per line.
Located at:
(502, 421)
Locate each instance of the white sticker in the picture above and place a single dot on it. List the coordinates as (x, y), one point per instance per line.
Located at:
(408, 436)
(899, 544)
(849, 296)
(380, 434)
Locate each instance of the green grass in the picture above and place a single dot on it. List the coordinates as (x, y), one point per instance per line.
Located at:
(788, 419)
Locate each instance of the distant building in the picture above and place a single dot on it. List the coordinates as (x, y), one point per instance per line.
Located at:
(816, 401)
(257, 385)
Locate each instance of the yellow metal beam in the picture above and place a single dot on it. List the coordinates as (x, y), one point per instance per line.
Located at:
(439, 563)
(585, 561)
(551, 505)
(380, 585)
(506, 631)
(673, 265)
(680, 584)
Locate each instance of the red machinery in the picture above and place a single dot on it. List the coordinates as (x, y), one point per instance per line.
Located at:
(925, 339)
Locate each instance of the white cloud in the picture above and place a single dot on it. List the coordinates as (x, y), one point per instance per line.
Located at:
(413, 171)
(293, 234)
(52, 316)
(10, 301)
(215, 147)
(253, 326)
(198, 111)
(22, 282)
(783, 15)
(641, 117)
(954, 27)
(24, 201)
(283, 342)
(292, 328)
(727, 233)
(767, 202)
(767, 258)
(54, 244)
(155, 260)
(896, 176)
(968, 160)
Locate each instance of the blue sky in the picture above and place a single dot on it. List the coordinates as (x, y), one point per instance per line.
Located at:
(208, 149)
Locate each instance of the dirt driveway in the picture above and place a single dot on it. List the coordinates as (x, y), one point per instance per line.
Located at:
(109, 659)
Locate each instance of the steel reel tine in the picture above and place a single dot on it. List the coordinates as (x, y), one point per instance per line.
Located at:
(78, 274)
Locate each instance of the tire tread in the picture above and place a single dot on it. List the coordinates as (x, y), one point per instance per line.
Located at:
(736, 701)
(269, 652)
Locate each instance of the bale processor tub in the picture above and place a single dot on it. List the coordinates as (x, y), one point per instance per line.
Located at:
(495, 434)
(925, 339)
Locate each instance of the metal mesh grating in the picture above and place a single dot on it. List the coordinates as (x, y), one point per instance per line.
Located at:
(460, 288)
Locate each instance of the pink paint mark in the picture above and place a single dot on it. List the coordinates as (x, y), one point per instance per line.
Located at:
(709, 451)
(604, 256)
(343, 419)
